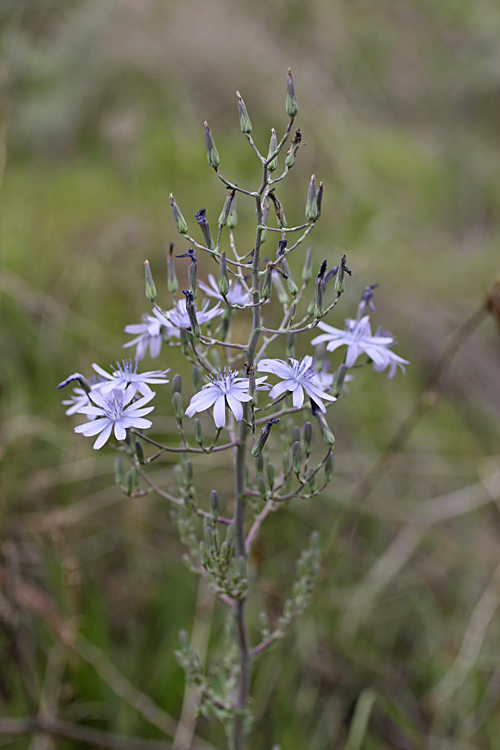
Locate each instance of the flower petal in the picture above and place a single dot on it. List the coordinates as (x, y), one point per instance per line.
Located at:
(103, 437)
(220, 412)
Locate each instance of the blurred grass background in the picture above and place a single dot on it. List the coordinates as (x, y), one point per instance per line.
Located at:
(102, 103)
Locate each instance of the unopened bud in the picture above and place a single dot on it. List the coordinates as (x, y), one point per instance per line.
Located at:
(172, 283)
(270, 475)
(198, 432)
(179, 220)
(191, 311)
(232, 217)
(185, 339)
(268, 282)
(119, 471)
(178, 405)
(307, 269)
(261, 486)
(177, 384)
(214, 506)
(196, 376)
(291, 340)
(320, 291)
(329, 466)
(78, 378)
(262, 439)
(311, 207)
(259, 465)
(245, 123)
(149, 283)
(319, 199)
(223, 283)
(139, 453)
(226, 208)
(338, 381)
(201, 218)
(308, 438)
(212, 155)
(283, 297)
(129, 483)
(280, 214)
(326, 433)
(285, 269)
(339, 279)
(209, 538)
(292, 151)
(273, 143)
(188, 473)
(291, 99)
(296, 457)
(266, 205)
(313, 486)
(295, 434)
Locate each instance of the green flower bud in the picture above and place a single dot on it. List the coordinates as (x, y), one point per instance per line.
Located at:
(291, 99)
(280, 215)
(329, 466)
(268, 282)
(198, 432)
(295, 434)
(319, 199)
(214, 506)
(273, 143)
(338, 381)
(261, 486)
(185, 339)
(196, 375)
(285, 462)
(339, 279)
(307, 270)
(285, 268)
(292, 151)
(172, 283)
(179, 220)
(191, 311)
(224, 214)
(296, 457)
(313, 485)
(291, 340)
(223, 283)
(129, 483)
(308, 438)
(149, 283)
(270, 475)
(212, 155)
(320, 291)
(209, 538)
(245, 123)
(139, 453)
(311, 207)
(259, 465)
(119, 471)
(178, 406)
(177, 384)
(264, 434)
(232, 217)
(188, 472)
(326, 433)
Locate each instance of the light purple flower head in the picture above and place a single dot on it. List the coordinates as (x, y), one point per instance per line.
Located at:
(125, 376)
(358, 338)
(236, 295)
(149, 336)
(297, 376)
(224, 388)
(178, 317)
(109, 411)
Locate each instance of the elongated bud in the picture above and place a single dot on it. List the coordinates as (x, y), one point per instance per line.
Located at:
(129, 483)
(119, 471)
(245, 123)
(283, 297)
(320, 291)
(296, 457)
(329, 466)
(280, 214)
(201, 218)
(196, 375)
(214, 506)
(232, 217)
(313, 486)
(320, 356)
(209, 539)
(326, 433)
(295, 434)
(262, 439)
(291, 99)
(266, 205)
(223, 284)
(261, 486)
(270, 475)
(191, 311)
(339, 279)
(186, 339)
(319, 199)
(198, 432)
(149, 283)
(177, 384)
(311, 207)
(259, 465)
(224, 214)
(178, 405)
(338, 381)
(188, 473)
(291, 340)
(76, 377)
(212, 155)
(172, 283)
(139, 453)
(308, 438)
(292, 151)
(192, 270)
(268, 281)
(307, 269)
(179, 220)
(285, 268)
(273, 143)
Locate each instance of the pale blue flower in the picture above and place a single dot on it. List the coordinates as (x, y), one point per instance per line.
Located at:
(358, 338)
(125, 376)
(298, 376)
(178, 317)
(109, 411)
(224, 388)
(236, 295)
(150, 336)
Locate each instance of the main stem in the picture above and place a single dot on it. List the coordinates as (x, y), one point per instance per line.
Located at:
(239, 512)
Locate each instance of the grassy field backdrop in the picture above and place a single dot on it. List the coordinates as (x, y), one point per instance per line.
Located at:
(101, 111)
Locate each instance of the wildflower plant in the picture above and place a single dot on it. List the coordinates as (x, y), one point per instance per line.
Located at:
(250, 398)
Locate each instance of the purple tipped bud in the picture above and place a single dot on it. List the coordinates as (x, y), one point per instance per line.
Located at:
(291, 105)
(320, 291)
(191, 311)
(212, 155)
(262, 439)
(79, 379)
(201, 218)
(179, 220)
(245, 123)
